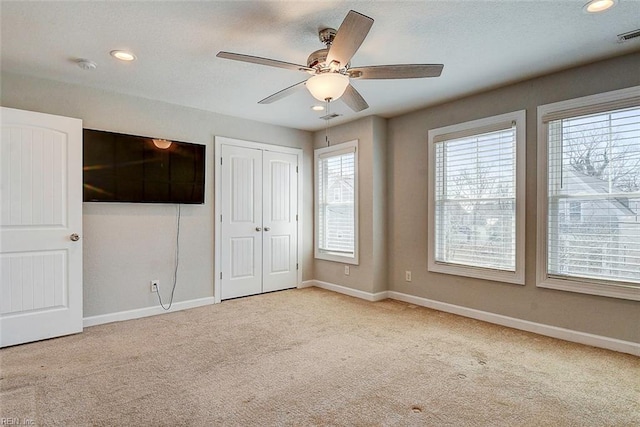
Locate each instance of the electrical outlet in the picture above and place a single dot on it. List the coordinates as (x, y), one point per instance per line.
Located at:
(347, 270)
(407, 276)
(154, 285)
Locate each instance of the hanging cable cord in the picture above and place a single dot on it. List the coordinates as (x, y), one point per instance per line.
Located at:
(175, 270)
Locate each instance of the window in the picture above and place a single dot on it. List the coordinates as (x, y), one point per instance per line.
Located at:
(476, 198)
(575, 211)
(336, 189)
(589, 195)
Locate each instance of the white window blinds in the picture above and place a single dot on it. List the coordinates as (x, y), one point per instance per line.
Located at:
(475, 198)
(336, 202)
(594, 196)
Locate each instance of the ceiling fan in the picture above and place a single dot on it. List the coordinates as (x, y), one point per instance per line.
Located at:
(330, 67)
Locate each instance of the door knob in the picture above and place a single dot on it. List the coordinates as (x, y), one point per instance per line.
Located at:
(258, 229)
(74, 237)
(267, 229)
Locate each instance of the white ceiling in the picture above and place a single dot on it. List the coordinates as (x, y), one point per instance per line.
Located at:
(483, 44)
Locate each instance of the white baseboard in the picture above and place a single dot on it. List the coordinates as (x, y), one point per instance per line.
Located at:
(524, 325)
(498, 319)
(347, 291)
(144, 312)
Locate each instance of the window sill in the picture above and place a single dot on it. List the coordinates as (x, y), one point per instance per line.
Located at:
(514, 277)
(344, 259)
(613, 290)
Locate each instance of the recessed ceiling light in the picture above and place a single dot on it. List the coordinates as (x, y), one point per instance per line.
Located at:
(318, 108)
(595, 6)
(123, 55)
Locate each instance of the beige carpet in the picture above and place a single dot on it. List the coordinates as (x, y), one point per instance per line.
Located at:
(312, 357)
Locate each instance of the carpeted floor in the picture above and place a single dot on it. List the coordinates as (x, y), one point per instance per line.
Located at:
(313, 357)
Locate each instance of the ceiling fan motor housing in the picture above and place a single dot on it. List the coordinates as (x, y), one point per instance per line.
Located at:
(318, 58)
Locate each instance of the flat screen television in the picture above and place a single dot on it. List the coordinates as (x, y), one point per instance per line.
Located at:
(137, 169)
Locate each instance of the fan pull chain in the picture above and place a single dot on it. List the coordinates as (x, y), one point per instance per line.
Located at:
(326, 125)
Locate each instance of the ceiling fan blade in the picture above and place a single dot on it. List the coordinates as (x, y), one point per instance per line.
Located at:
(408, 71)
(284, 92)
(263, 61)
(349, 37)
(354, 100)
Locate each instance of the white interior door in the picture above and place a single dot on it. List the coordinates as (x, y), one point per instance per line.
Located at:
(40, 217)
(279, 218)
(259, 228)
(241, 188)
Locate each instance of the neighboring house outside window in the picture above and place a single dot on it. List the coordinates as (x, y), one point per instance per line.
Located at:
(476, 198)
(589, 195)
(336, 190)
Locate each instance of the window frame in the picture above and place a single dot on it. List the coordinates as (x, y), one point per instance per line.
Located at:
(318, 153)
(602, 102)
(476, 127)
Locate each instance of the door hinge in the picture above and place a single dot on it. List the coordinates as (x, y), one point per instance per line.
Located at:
(296, 266)
(220, 218)
(296, 217)
(296, 169)
(220, 160)
(221, 275)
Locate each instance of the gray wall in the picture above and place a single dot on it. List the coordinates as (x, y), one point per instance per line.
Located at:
(370, 275)
(407, 209)
(127, 245)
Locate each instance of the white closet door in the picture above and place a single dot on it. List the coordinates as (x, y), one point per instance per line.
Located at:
(241, 187)
(280, 185)
(259, 225)
(40, 226)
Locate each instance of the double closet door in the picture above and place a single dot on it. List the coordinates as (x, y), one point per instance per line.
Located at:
(259, 214)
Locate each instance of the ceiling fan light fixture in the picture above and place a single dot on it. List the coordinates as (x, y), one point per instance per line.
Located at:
(596, 6)
(327, 86)
(162, 144)
(318, 108)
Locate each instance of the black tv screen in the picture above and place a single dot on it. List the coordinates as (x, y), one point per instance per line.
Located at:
(128, 168)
